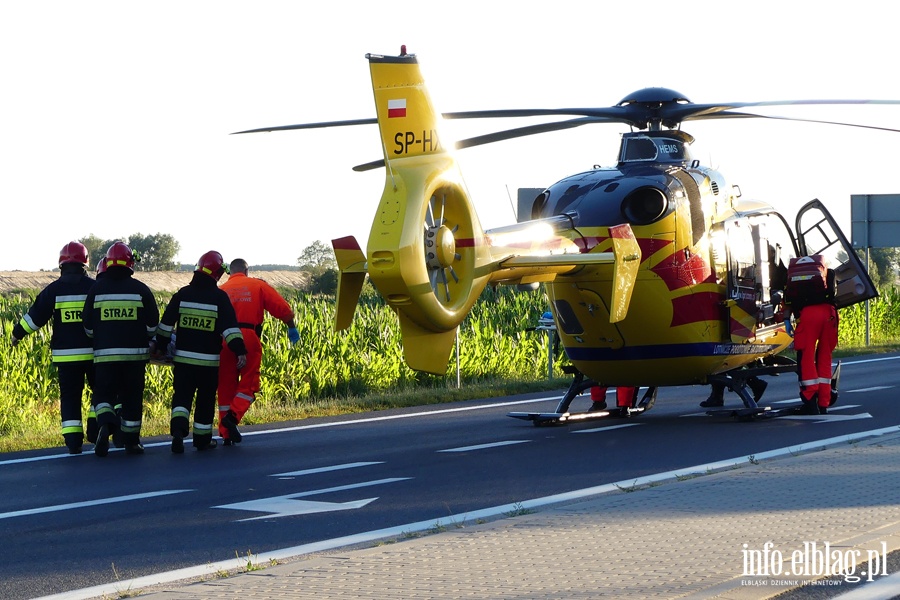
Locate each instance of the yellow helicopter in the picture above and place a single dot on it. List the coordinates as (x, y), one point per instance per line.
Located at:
(658, 274)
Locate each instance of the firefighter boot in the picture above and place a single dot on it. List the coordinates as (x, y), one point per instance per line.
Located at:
(101, 447)
(91, 431)
(177, 442)
(73, 442)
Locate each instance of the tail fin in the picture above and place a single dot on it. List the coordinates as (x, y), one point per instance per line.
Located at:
(427, 253)
(426, 241)
(407, 119)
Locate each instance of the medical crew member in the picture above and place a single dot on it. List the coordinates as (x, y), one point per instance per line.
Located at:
(815, 339)
(71, 350)
(202, 316)
(120, 315)
(251, 299)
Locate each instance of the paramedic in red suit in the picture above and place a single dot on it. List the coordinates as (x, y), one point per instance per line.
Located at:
(815, 338)
(251, 298)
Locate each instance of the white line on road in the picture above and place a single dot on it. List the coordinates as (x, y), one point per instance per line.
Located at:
(369, 536)
(326, 469)
(87, 503)
(484, 446)
(610, 428)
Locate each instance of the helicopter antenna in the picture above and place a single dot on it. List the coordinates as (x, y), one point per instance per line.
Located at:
(512, 204)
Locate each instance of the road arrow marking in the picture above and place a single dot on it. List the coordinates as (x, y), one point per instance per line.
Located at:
(88, 503)
(287, 505)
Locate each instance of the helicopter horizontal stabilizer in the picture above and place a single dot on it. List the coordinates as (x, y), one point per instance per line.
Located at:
(352, 268)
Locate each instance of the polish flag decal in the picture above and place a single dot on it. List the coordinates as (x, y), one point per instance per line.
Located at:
(396, 108)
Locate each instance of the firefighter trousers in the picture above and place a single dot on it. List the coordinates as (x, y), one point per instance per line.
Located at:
(72, 377)
(120, 382)
(189, 381)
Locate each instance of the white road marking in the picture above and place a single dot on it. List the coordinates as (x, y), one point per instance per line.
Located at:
(282, 506)
(212, 568)
(88, 503)
(484, 446)
(326, 469)
(829, 418)
(610, 428)
(869, 389)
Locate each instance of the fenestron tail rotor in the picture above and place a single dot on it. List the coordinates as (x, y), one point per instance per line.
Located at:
(440, 249)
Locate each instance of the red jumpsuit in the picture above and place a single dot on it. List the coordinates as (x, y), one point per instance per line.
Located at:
(815, 339)
(625, 396)
(251, 298)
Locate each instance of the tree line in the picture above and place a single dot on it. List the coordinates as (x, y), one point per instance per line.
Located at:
(152, 252)
(157, 252)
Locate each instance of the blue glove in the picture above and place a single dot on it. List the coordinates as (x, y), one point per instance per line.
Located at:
(788, 327)
(293, 335)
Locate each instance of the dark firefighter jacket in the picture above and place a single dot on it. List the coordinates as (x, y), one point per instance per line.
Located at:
(63, 302)
(120, 315)
(200, 314)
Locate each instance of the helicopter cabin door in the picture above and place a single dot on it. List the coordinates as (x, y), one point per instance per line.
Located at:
(817, 233)
(759, 243)
(742, 279)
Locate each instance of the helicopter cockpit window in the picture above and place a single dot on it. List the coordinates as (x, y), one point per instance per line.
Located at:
(639, 149)
(648, 149)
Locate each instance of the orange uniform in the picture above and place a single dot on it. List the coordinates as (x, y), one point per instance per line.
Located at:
(251, 298)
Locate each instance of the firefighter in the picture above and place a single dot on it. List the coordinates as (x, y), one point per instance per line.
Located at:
(71, 350)
(120, 315)
(816, 333)
(200, 316)
(251, 298)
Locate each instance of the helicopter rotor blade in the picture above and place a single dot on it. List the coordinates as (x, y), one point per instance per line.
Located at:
(738, 115)
(506, 134)
(345, 123)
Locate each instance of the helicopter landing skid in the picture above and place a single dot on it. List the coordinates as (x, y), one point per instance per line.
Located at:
(751, 411)
(760, 412)
(563, 416)
(539, 419)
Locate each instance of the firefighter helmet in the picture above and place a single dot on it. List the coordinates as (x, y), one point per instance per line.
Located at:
(212, 264)
(73, 252)
(120, 255)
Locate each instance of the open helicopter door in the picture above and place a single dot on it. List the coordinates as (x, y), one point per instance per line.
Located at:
(742, 279)
(817, 233)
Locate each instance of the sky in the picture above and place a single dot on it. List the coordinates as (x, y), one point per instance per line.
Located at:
(116, 116)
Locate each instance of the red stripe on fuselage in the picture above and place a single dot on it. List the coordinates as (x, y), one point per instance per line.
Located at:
(696, 307)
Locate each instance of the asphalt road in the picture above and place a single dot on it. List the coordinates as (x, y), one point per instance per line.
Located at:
(70, 522)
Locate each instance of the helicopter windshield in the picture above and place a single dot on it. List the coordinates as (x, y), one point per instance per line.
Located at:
(644, 148)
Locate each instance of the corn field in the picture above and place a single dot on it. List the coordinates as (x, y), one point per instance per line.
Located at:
(326, 365)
